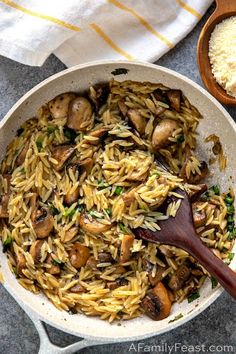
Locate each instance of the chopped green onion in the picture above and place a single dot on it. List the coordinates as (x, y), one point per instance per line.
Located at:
(230, 219)
(178, 317)
(56, 262)
(118, 190)
(39, 143)
(6, 244)
(70, 134)
(51, 129)
(69, 213)
(232, 234)
(214, 282)
(230, 209)
(228, 199)
(193, 297)
(215, 189)
(54, 211)
(14, 270)
(230, 227)
(108, 211)
(122, 227)
(230, 256)
(180, 139)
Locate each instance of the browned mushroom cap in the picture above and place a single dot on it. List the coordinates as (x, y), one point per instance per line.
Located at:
(156, 303)
(72, 196)
(199, 216)
(61, 153)
(35, 250)
(117, 283)
(20, 264)
(80, 114)
(137, 120)
(54, 268)
(175, 99)
(21, 157)
(86, 165)
(123, 108)
(77, 289)
(162, 133)
(94, 226)
(180, 276)
(70, 234)
(79, 254)
(59, 105)
(42, 223)
(104, 257)
(125, 251)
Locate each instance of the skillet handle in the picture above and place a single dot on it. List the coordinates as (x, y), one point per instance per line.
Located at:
(47, 347)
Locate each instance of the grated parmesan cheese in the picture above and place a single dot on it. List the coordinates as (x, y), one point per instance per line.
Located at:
(222, 54)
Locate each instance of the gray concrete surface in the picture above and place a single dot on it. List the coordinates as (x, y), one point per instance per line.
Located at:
(216, 326)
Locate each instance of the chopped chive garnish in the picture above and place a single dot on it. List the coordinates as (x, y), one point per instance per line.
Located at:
(230, 256)
(232, 234)
(56, 261)
(122, 226)
(118, 190)
(178, 317)
(14, 270)
(230, 219)
(214, 282)
(69, 213)
(193, 297)
(230, 227)
(7, 244)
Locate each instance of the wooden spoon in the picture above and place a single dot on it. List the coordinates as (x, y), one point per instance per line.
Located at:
(180, 232)
(224, 9)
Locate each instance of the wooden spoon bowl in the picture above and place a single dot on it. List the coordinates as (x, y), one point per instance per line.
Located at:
(224, 9)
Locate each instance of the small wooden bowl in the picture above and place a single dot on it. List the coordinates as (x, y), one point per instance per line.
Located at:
(224, 9)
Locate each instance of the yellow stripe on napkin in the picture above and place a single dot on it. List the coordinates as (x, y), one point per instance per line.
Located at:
(142, 21)
(189, 9)
(42, 16)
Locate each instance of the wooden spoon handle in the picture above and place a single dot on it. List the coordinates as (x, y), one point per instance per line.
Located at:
(215, 266)
(224, 6)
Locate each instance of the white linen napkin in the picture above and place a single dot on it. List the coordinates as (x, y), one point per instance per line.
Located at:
(77, 31)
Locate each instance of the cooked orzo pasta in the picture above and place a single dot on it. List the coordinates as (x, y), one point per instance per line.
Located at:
(83, 174)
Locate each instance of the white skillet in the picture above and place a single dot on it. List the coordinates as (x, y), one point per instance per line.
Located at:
(79, 78)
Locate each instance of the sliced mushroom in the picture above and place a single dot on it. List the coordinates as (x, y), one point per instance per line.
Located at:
(79, 254)
(148, 266)
(94, 226)
(99, 95)
(72, 196)
(104, 257)
(196, 193)
(61, 153)
(80, 114)
(54, 268)
(126, 244)
(35, 251)
(117, 283)
(70, 234)
(123, 108)
(22, 155)
(197, 178)
(99, 134)
(43, 223)
(175, 99)
(156, 303)
(137, 120)
(162, 132)
(85, 166)
(20, 264)
(199, 216)
(180, 276)
(4, 201)
(59, 106)
(77, 289)
(92, 263)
